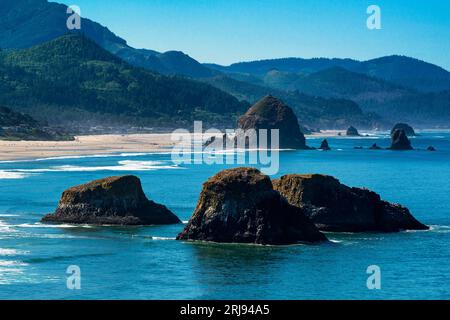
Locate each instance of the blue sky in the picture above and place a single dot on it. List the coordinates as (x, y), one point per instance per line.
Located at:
(227, 31)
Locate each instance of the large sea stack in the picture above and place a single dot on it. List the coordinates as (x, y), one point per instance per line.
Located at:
(240, 206)
(333, 206)
(352, 132)
(272, 113)
(400, 141)
(113, 201)
(409, 131)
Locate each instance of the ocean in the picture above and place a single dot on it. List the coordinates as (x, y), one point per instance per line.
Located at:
(148, 263)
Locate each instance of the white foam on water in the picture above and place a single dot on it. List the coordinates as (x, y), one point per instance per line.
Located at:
(59, 226)
(124, 165)
(11, 174)
(69, 157)
(439, 228)
(185, 221)
(106, 155)
(135, 154)
(8, 263)
(4, 227)
(55, 236)
(74, 157)
(12, 252)
(162, 238)
(336, 241)
(8, 215)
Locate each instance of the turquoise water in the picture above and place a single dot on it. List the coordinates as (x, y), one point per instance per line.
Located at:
(146, 263)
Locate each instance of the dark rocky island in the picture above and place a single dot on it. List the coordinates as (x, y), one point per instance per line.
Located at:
(324, 145)
(352, 132)
(112, 201)
(333, 206)
(400, 141)
(409, 131)
(375, 147)
(431, 148)
(272, 113)
(240, 206)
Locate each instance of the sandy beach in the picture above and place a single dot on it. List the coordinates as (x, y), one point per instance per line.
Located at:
(84, 145)
(97, 144)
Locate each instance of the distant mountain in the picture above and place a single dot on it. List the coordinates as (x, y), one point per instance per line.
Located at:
(407, 72)
(291, 65)
(334, 82)
(73, 80)
(391, 101)
(313, 112)
(25, 23)
(400, 70)
(396, 87)
(19, 126)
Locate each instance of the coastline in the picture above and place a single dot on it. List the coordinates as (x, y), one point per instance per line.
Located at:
(98, 144)
(103, 144)
(84, 146)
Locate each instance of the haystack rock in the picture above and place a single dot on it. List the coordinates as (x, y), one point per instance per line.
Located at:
(333, 206)
(240, 206)
(112, 201)
(272, 113)
(406, 127)
(400, 141)
(324, 145)
(352, 132)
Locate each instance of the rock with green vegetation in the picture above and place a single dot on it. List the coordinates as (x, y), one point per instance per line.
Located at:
(111, 201)
(240, 206)
(333, 206)
(272, 113)
(405, 127)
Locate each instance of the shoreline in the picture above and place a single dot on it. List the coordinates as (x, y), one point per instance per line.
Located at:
(105, 144)
(88, 145)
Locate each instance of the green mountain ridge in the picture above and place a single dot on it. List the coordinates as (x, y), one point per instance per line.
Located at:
(20, 19)
(399, 88)
(19, 126)
(72, 79)
(312, 111)
(391, 101)
(399, 70)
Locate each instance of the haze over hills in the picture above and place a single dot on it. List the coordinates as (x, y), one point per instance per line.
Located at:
(400, 70)
(72, 79)
(19, 126)
(392, 101)
(325, 93)
(25, 23)
(313, 111)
